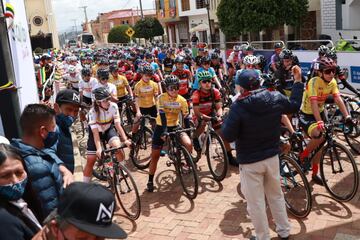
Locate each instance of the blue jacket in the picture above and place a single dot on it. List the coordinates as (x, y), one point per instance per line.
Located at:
(64, 148)
(43, 172)
(254, 123)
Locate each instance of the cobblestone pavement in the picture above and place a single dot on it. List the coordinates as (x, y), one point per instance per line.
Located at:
(219, 211)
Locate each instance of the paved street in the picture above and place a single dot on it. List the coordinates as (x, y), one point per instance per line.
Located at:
(219, 211)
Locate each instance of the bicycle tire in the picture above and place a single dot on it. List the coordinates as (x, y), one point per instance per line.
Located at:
(99, 170)
(352, 138)
(132, 210)
(141, 146)
(190, 191)
(348, 184)
(289, 169)
(211, 161)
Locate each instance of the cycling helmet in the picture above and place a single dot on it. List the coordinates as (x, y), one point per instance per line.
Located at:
(286, 54)
(278, 45)
(179, 59)
(171, 80)
(322, 50)
(325, 63)
(149, 55)
(217, 50)
(249, 48)
(236, 48)
(250, 60)
(243, 46)
(147, 69)
(45, 57)
(101, 93)
(113, 68)
(104, 61)
(204, 60)
(72, 69)
(214, 55)
(331, 54)
(86, 72)
(204, 75)
(102, 73)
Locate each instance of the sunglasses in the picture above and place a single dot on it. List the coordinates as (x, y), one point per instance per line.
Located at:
(206, 81)
(329, 71)
(173, 88)
(104, 100)
(104, 79)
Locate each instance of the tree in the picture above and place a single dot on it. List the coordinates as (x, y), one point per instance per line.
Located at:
(240, 16)
(117, 34)
(148, 28)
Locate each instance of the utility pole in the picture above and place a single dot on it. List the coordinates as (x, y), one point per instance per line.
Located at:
(142, 14)
(86, 18)
(74, 20)
(207, 2)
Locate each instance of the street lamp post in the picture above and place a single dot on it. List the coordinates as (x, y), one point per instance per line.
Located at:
(207, 3)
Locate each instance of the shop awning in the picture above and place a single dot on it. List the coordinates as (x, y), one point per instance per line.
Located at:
(199, 28)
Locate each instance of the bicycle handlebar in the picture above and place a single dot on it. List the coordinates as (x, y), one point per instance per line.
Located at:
(114, 149)
(180, 131)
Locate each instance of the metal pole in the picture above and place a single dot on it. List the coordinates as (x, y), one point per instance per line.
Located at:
(85, 13)
(10, 106)
(208, 13)
(142, 14)
(74, 20)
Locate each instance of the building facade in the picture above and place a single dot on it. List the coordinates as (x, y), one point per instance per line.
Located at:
(42, 24)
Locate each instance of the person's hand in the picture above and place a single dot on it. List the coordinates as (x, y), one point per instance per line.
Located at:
(321, 126)
(128, 143)
(68, 177)
(349, 122)
(99, 153)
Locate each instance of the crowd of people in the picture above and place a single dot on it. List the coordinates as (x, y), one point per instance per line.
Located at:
(39, 198)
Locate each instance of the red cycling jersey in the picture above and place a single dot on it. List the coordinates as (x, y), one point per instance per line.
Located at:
(128, 70)
(205, 100)
(155, 77)
(184, 77)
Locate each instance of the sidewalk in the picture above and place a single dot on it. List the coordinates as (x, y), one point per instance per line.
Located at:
(219, 211)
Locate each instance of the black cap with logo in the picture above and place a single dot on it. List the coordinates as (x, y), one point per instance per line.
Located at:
(68, 96)
(90, 207)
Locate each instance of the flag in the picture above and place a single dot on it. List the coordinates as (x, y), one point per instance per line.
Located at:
(41, 77)
(9, 10)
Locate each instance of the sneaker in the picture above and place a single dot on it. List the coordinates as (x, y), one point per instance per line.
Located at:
(317, 179)
(232, 160)
(150, 187)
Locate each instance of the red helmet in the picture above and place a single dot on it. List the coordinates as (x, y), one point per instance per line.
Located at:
(325, 63)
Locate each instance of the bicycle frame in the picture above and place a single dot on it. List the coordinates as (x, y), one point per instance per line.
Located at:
(207, 132)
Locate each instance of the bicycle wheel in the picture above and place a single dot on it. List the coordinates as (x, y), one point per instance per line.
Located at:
(139, 154)
(295, 187)
(216, 157)
(99, 170)
(339, 172)
(126, 192)
(126, 117)
(186, 170)
(352, 134)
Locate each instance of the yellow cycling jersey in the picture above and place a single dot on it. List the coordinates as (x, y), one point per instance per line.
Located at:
(94, 70)
(172, 107)
(146, 93)
(121, 83)
(318, 89)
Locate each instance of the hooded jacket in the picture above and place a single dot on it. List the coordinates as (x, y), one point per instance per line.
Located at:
(43, 171)
(64, 147)
(254, 123)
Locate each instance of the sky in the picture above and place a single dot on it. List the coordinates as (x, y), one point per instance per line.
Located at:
(67, 10)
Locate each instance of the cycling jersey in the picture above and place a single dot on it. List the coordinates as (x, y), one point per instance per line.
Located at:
(234, 57)
(146, 93)
(205, 100)
(103, 120)
(121, 82)
(94, 69)
(184, 77)
(172, 107)
(86, 87)
(168, 64)
(155, 77)
(73, 80)
(128, 70)
(201, 69)
(109, 86)
(318, 89)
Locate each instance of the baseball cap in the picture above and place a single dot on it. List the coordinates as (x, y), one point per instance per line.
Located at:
(68, 96)
(249, 79)
(90, 207)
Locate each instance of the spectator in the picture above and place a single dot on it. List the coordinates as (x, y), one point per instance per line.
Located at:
(194, 40)
(16, 219)
(45, 170)
(85, 211)
(67, 108)
(254, 122)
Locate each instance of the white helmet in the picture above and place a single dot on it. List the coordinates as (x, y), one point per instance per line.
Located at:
(72, 69)
(250, 60)
(236, 48)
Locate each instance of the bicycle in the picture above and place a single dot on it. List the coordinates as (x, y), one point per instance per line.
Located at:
(120, 181)
(127, 114)
(182, 161)
(84, 119)
(142, 140)
(213, 146)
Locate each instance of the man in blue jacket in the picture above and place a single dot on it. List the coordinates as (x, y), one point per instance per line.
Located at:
(254, 123)
(46, 172)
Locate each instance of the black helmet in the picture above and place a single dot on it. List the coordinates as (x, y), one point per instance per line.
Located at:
(86, 72)
(322, 50)
(147, 69)
(286, 54)
(113, 68)
(214, 55)
(278, 45)
(102, 73)
(331, 54)
(101, 93)
(217, 50)
(149, 55)
(205, 60)
(179, 59)
(104, 61)
(249, 48)
(171, 80)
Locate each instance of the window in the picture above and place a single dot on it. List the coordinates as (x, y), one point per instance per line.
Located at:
(200, 4)
(185, 5)
(161, 4)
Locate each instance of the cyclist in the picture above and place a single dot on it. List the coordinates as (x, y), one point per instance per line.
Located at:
(184, 75)
(122, 85)
(170, 105)
(104, 121)
(72, 78)
(233, 60)
(322, 51)
(207, 104)
(217, 64)
(168, 62)
(275, 57)
(205, 66)
(86, 84)
(103, 78)
(149, 58)
(312, 116)
(287, 71)
(250, 62)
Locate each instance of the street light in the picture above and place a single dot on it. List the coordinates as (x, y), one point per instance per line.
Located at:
(207, 4)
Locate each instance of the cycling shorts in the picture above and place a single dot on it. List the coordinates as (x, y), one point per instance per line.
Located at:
(152, 111)
(108, 136)
(157, 142)
(308, 122)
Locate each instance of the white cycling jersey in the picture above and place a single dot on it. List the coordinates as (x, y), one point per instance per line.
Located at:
(87, 87)
(73, 80)
(234, 57)
(103, 120)
(110, 87)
